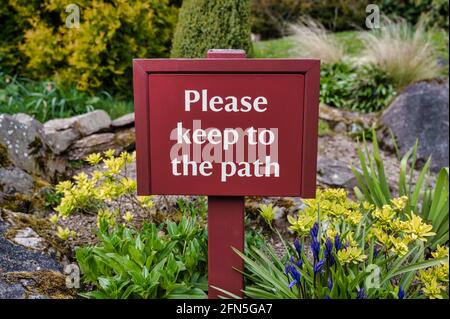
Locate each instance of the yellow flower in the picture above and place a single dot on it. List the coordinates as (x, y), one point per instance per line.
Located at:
(109, 153)
(63, 187)
(54, 219)
(63, 233)
(441, 251)
(303, 224)
(146, 201)
(417, 229)
(384, 215)
(398, 246)
(354, 217)
(94, 158)
(367, 206)
(268, 213)
(331, 233)
(400, 202)
(433, 289)
(128, 217)
(351, 255)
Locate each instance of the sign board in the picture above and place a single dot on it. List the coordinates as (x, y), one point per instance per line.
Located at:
(226, 127)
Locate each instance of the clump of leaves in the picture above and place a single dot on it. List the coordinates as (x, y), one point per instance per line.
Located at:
(360, 88)
(91, 194)
(165, 261)
(429, 201)
(348, 249)
(46, 100)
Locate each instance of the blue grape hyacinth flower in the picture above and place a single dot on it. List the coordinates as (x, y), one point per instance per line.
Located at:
(401, 293)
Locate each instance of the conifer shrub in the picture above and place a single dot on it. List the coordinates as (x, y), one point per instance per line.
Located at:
(212, 24)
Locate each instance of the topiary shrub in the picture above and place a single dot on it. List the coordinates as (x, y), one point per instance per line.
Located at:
(98, 54)
(211, 24)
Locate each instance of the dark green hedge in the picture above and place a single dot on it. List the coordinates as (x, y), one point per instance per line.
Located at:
(212, 24)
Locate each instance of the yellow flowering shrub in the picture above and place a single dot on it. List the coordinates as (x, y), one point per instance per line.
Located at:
(102, 189)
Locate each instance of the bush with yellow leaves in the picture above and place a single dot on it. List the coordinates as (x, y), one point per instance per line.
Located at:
(97, 192)
(98, 54)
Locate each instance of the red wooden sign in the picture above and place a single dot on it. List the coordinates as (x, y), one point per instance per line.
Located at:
(231, 127)
(226, 126)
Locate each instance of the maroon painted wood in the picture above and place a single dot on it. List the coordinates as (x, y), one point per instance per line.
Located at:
(225, 230)
(291, 84)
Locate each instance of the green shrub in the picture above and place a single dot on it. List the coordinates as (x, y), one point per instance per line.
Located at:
(428, 201)
(211, 24)
(168, 261)
(11, 34)
(46, 100)
(435, 13)
(360, 88)
(271, 18)
(97, 55)
(349, 250)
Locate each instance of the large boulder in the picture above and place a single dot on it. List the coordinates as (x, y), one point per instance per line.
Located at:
(23, 145)
(420, 112)
(62, 133)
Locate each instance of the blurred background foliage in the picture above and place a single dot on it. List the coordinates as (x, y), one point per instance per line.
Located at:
(94, 61)
(271, 18)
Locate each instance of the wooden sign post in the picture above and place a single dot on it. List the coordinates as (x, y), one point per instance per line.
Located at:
(226, 127)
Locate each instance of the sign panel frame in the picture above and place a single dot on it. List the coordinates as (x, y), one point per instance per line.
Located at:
(309, 68)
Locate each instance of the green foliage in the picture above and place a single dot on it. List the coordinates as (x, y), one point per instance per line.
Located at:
(95, 56)
(168, 261)
(355, 251)
(271, 18)
(211, 24)
(91, 194)
(362, 88)
(428, 201)
(46, 100)
(434, 12)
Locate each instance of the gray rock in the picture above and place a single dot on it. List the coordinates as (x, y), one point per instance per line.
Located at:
(23, 145)
(59, 141)
(28, 238)
(122, 140)
(62, 133)
(11, 291)
(91, 144)
(16, 258)
(86, 124)
(420, 112)
(126, 120)
(334, 173)
(14, 180)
